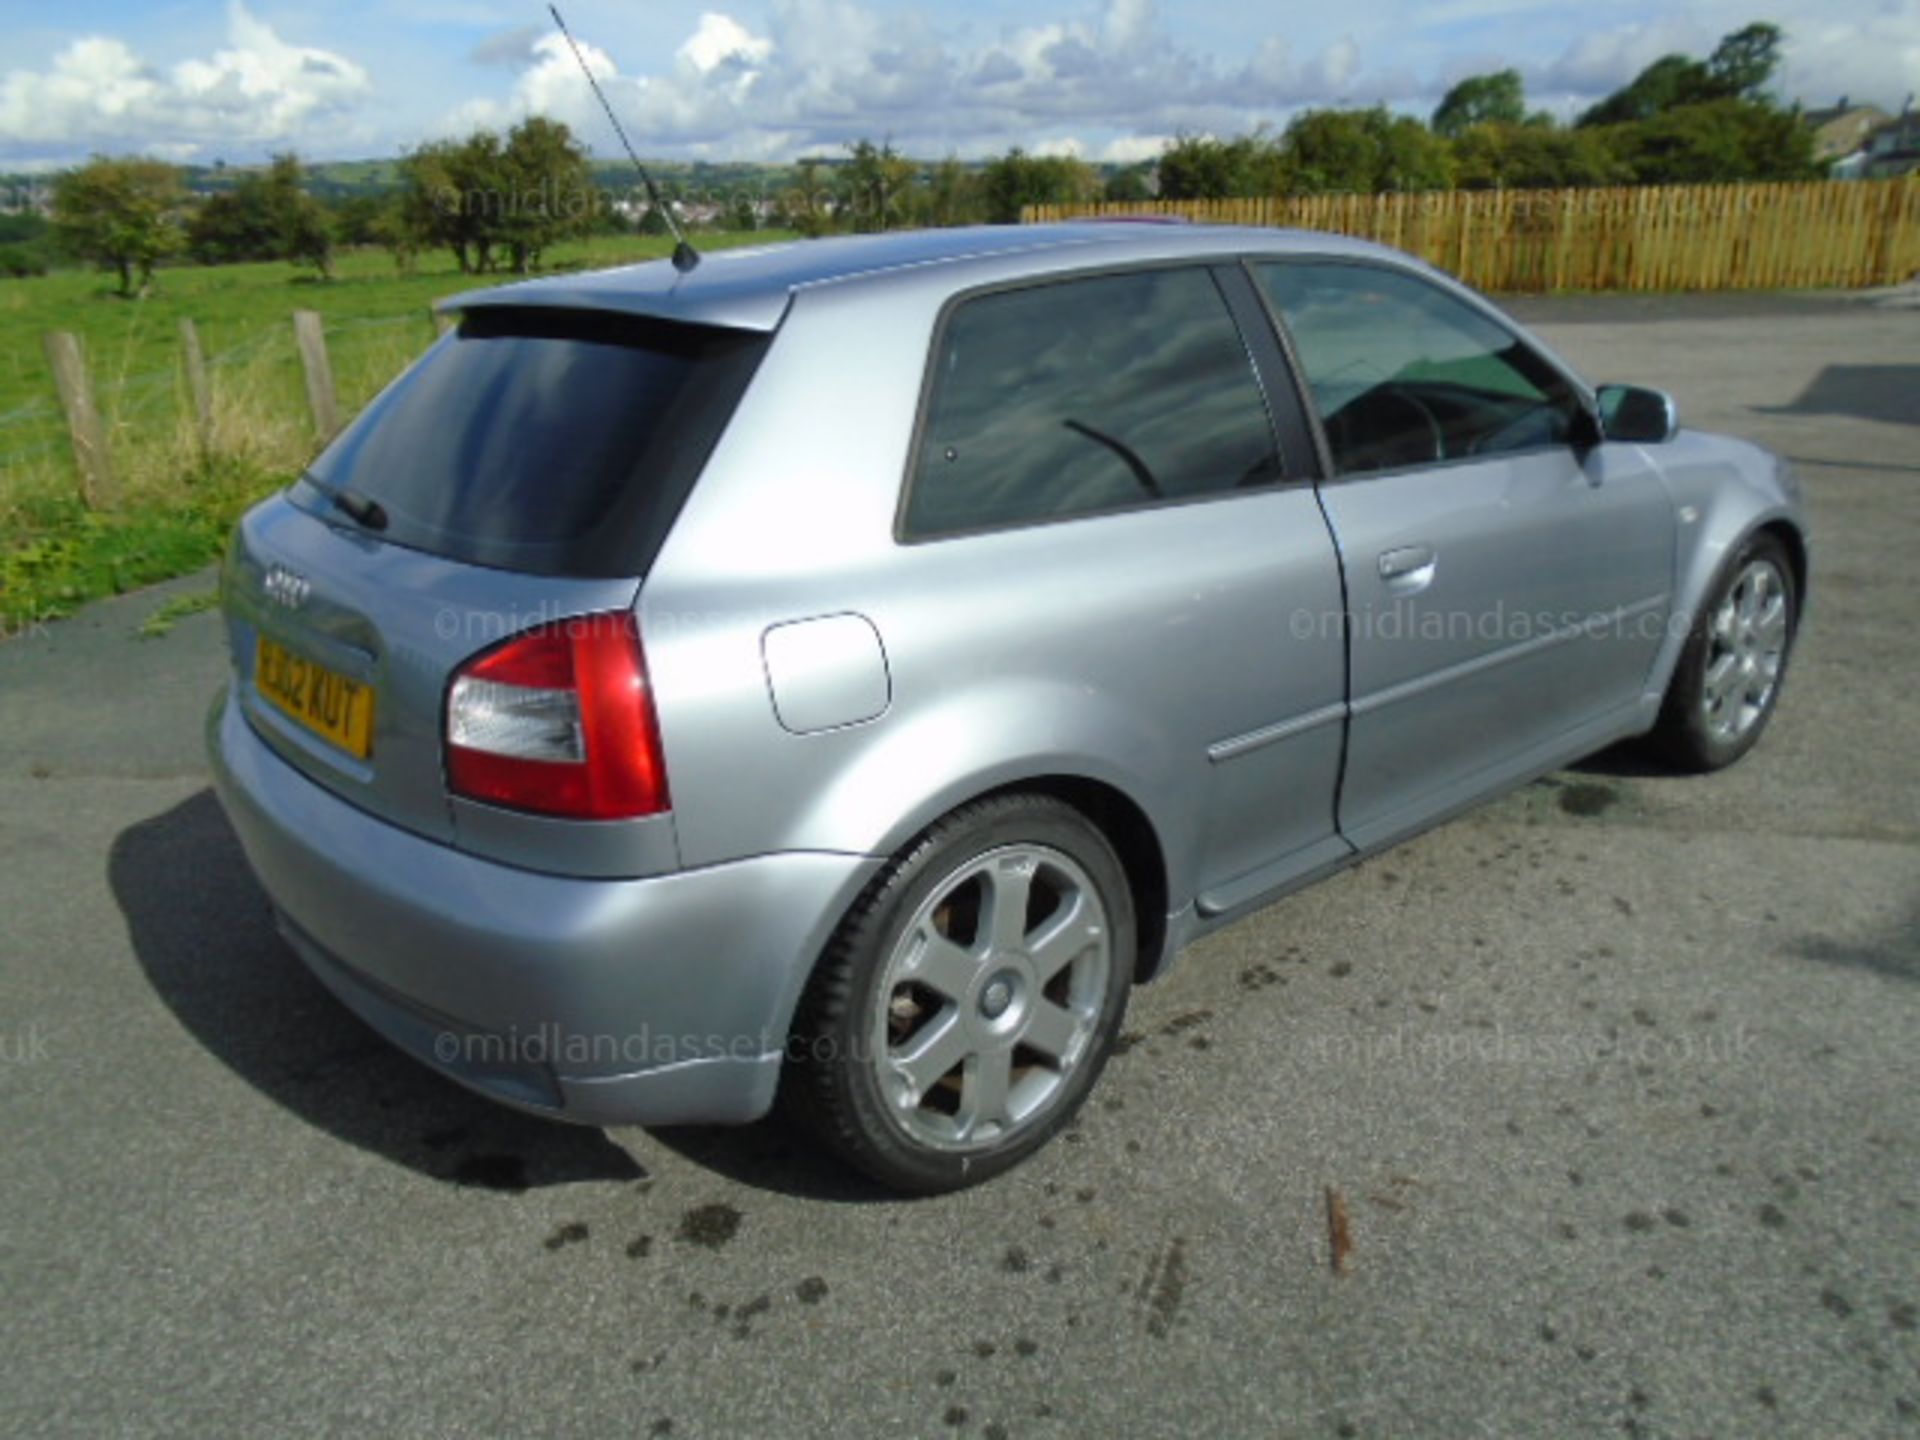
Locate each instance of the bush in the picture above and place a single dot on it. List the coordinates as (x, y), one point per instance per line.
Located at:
(1199, 167)
(20, 261)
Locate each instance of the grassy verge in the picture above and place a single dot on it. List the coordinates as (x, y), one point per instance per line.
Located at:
(178, 505)
(170, 614)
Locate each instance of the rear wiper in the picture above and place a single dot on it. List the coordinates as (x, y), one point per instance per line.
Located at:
(363, 510)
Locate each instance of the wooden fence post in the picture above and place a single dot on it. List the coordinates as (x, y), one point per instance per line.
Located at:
(1894, 219)
(89, 435)
(199, 389)
(313, 359)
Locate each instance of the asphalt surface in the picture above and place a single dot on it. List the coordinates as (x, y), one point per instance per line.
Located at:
(1615, 1078)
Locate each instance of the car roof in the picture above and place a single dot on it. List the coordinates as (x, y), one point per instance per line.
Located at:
(750, 288)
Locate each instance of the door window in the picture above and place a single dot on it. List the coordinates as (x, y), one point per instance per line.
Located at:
(1087, 395)
(1404, 374)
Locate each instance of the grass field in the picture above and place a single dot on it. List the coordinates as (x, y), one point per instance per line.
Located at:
(175, 507)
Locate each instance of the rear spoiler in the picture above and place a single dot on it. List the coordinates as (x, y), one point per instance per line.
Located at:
(706, 296)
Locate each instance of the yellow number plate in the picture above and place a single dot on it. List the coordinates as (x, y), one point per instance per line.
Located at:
(334, 707)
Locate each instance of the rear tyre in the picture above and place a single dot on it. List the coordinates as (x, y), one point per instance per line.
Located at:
(1727, 682)
(970, 999)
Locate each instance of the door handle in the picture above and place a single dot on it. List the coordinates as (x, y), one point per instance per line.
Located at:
(1408, 570)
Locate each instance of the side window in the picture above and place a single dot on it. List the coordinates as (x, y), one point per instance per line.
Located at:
(1405, 374)
(1087, 395)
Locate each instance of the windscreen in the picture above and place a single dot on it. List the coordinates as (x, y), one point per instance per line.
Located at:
(553, 442)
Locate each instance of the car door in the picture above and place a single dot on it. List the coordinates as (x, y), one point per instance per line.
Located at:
(1103, 448)
(1508, 579)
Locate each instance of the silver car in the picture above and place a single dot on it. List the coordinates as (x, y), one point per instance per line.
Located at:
(845, 669)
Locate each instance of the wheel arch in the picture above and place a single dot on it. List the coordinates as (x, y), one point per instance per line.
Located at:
(1131, 832)
(1118, 816)
(1727, 492)
(1794, 541)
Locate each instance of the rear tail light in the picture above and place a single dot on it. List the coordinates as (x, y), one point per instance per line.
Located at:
(559, 721)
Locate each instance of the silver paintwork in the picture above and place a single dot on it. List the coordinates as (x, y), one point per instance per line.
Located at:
(1190, 662)
(826, 672)
(634, 1001)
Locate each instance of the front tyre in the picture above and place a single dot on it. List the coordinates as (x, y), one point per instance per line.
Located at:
(1727, 682)
(970, 1000)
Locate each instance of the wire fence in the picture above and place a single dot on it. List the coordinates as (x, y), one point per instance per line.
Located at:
(260, 404)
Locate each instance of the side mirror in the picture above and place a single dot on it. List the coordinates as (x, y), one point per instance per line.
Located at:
(1636, 415)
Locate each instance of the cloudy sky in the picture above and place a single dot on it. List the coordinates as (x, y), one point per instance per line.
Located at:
(748, 79)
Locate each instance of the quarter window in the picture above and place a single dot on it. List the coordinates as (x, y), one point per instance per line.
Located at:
(1405, 374)
(1088, 395)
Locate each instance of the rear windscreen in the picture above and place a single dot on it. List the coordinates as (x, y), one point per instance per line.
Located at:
(549, 441)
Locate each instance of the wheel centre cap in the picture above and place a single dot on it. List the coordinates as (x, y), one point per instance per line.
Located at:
(996, 997)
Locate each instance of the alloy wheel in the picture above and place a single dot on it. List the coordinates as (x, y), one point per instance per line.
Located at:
(992, 997)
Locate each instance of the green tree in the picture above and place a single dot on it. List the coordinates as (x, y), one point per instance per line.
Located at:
(740, 214)
(1366, 152)
(363, 219)
(1496, 99)
(1199, 167)
(952, 195)
(1669, 82)
(429, 198)
(1739, 69)
(548, 191)
(18, 262)
(235, 224)
(121, 214)
(1128, 186)
(1743, 62)
(807, 205)
(1718, 142)
(1017, 179)
(25, 244)
(455, 194)
(876, 181)
(301, 223)
(1534, 157)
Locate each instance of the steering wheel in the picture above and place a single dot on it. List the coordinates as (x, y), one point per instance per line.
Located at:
(1373, 429)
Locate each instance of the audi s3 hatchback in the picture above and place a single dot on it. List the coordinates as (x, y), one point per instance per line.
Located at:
(843, 670)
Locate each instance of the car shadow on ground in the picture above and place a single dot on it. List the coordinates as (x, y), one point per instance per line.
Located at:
(1863, 392)
(1627, 760)
(775, 1154)
(1893, 952)
(202, 932)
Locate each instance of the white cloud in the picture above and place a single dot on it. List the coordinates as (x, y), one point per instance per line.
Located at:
(1871, 57)
(507, 47)
(1601, 62)
(1876, 59)
(1132, 149)
(258, 91)
(823, 72)
(778, 78)
(1063, 147)
(1323, 78)
(722, 40)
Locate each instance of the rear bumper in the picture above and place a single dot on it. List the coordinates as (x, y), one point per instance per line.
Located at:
(655, 1001)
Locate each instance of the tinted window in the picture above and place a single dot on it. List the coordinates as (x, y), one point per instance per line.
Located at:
(1405, 374)
(1088, 395)
(549, 441)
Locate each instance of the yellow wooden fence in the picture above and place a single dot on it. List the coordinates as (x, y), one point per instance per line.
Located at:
(1655, 237)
